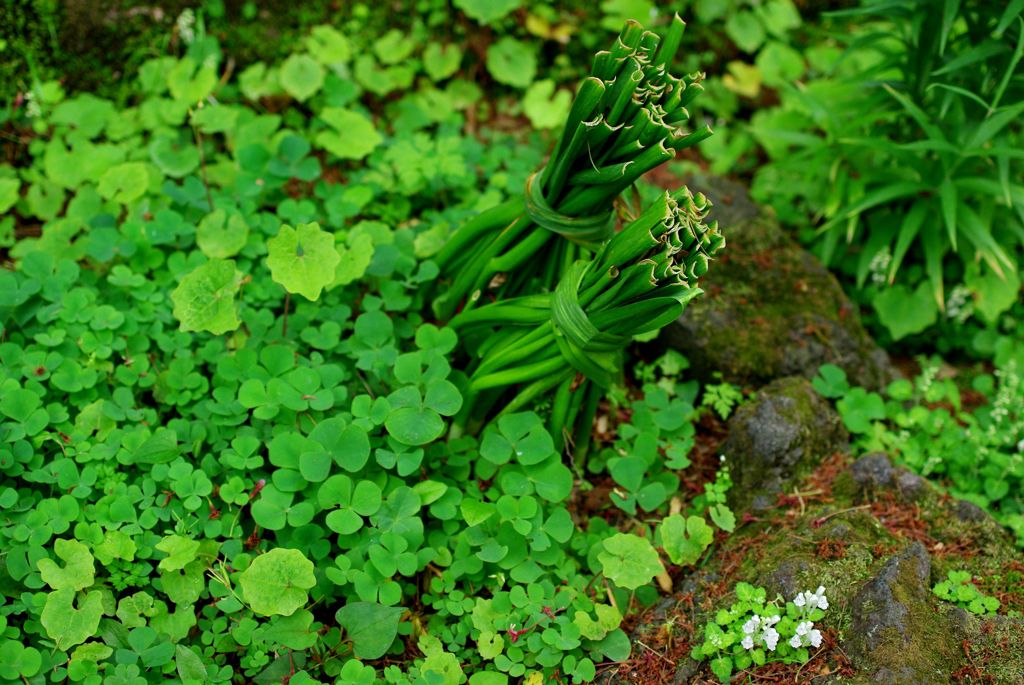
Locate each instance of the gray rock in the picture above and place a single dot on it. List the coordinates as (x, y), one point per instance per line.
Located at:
(969, 512)
(910, 485)
(780, 435)
(897, 637)
(785, 579)
(872, 471)
(770, 309)
(876, 609)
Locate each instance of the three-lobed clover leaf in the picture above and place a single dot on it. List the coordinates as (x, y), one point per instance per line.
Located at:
(303, 259)
(205, 298)
(521, 435)
(629, 560)
(276, 582)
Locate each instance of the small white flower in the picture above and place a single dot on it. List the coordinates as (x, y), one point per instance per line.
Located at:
(750, 627)
(771, 638)
(186, 23)
(818, 598)
(770, 621)
(747, 642)
(800, 600)
(806, 635)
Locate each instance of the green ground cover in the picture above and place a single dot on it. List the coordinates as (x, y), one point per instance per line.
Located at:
(227, 392)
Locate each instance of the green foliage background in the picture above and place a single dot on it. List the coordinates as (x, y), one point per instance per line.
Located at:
(222, 453)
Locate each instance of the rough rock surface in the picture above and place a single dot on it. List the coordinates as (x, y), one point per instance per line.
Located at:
(771, 308)
(874, 471)
(878, 555)
(784, 432)
(896, 636)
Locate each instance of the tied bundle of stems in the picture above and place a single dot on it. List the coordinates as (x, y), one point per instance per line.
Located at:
(570, 341)
(627, 118)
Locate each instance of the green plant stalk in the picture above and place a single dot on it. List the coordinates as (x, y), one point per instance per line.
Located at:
(575, 334)
(626, 120)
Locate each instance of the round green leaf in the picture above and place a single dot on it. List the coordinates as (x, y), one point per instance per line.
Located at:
(685, 538)
(371, 627)
(221, 236)
(301, 76)
(276, 582)
(486, 11)
(174, 158)
(205, 298)
(124, 183)
(629, 560)
(67, 625)
(78, 571)
(302, 259)
(512, 62)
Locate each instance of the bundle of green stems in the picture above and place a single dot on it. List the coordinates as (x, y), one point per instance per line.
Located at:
(628, 117)
(570, 341)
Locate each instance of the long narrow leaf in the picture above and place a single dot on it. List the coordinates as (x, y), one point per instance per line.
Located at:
(960, 91)
(882, 196)
(917, 113)
(991, 126)
(908, 232)
(948, 200)
(1011, 68)
(980, 236)
(1012, 11)
(950, 8)
(934, 251)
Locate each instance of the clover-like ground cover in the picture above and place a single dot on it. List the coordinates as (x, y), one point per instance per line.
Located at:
(224, 404)
(223, 407)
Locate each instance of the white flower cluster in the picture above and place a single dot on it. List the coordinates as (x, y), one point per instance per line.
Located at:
(32, 109)
(806, 636)
(879, 266)
(186, 25)
(760, 631)
(812, 600)
(959, 304)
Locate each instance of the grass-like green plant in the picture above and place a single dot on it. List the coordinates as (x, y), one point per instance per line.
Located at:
(570, 341)
(628, 117)
(908, 156)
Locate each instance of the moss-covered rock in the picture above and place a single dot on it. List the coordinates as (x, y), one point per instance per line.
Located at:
(771, 308)
(878, 553)
(896, 634)
(783, 433)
